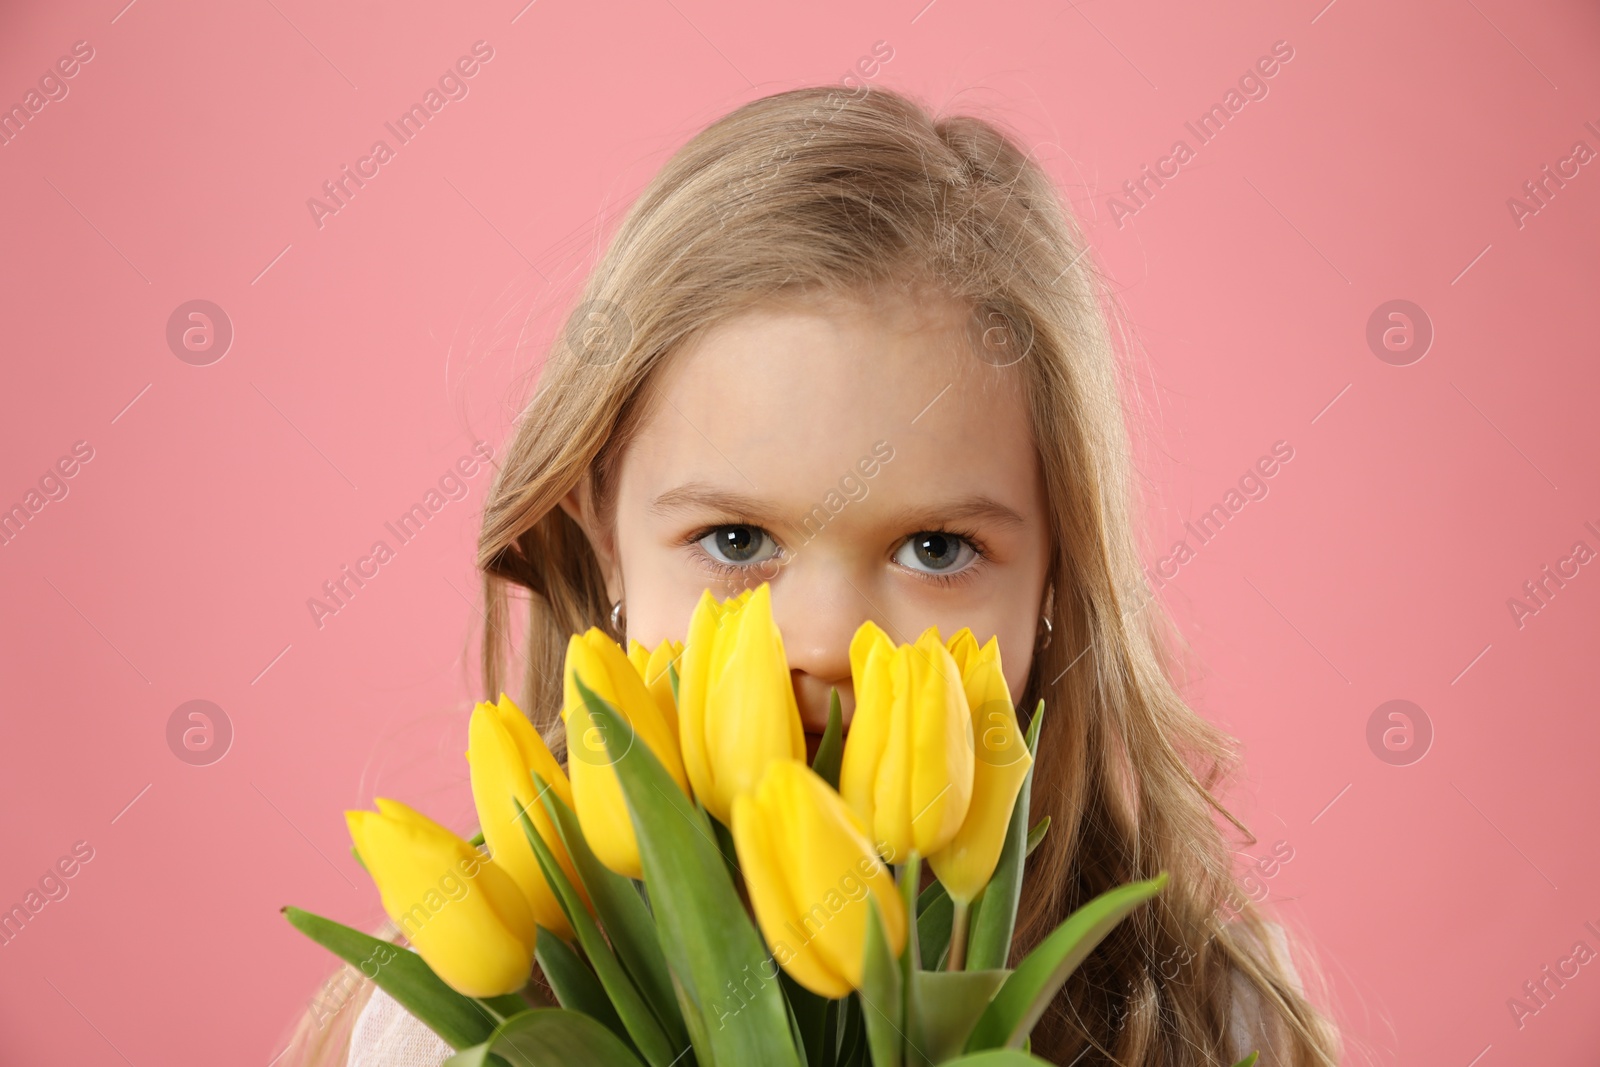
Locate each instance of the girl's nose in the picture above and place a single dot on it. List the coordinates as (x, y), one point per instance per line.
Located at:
(817, 619)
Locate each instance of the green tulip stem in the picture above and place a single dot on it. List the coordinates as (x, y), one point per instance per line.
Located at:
(957, 958)
(909, 876)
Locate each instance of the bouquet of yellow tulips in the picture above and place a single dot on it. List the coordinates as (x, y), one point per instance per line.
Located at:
(687, 807)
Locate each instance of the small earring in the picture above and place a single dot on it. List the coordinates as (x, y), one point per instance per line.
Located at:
(1049, 631)
(616, 618)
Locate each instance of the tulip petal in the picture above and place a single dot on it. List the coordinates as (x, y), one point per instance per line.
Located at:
(658, 680)
(868, 737)
(834, 869)
(465, 916)
(597, 795)
(810, 870)
(868, 636)
(967, 862)
(693, 676)
(943, 760)
(500, 776)
(536, 755)
(766, 880)
(892, 791)
(962, 646)
(737, 709)
(751, 710)
(602, 811)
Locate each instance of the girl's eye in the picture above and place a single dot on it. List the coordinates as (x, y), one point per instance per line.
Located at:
(739, 545)
(933, 552)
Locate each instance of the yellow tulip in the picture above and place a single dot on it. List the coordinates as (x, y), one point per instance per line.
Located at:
(502, 749)
(462, 912)
(602, 809)
(652, 667)
(868, 636)
(736, 706)
(965, 865)
(908, 762)
(809, 866)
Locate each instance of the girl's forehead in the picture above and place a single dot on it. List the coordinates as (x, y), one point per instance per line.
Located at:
(788, 399)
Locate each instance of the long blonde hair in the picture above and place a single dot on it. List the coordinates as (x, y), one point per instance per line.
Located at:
(826, 191)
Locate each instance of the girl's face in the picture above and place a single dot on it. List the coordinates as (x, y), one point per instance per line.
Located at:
(863, 459)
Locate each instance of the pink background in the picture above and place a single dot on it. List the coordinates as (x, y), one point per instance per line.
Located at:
(370, 353)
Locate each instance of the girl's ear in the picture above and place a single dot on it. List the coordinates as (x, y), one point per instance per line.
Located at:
(579, 506)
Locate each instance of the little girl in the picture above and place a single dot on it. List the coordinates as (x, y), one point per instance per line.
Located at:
(857, 352)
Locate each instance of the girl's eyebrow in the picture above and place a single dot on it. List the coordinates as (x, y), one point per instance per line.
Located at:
(701, 495)
(976, 507)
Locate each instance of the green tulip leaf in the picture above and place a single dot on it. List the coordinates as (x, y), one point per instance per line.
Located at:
(1032, 734)
(935, 916)
(705, 933)
(513, 1003)
(724, 842)
(934, 922)
(830, 750)
(931, 896)
(575, 984)
(1036, 835)
(545, 1037)
(830, 1031)
(1249, 1061)
(852, 1048)
(882, 1007)
(460, 1020)
(942, 1007)
(810, 1014)
(796, 1035)
(907, 877)
(1013, 1012)
(991, 926)
(641, 1023)
(627, 921)
(698, 1036)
